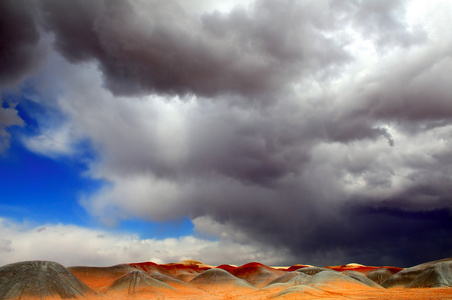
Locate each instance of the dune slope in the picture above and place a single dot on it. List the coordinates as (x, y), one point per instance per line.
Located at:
(39, 279)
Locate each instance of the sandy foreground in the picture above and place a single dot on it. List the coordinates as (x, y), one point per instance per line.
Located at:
(340, 293)
(440, 293)
(194, 280)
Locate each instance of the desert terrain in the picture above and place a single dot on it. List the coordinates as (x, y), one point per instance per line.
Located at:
(195, 280)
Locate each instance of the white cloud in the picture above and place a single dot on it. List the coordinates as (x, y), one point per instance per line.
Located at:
(141, 196)
(53, 142)
(74, 245)
(209, 6)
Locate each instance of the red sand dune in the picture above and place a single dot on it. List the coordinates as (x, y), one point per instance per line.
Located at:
(257, 274)
(151, 268)
(296, 267)
(228, 268)
(195, 280)
(185, 270)
(361, 268)
(100, 277)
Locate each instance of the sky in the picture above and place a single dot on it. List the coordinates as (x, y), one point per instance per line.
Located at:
(284, 132)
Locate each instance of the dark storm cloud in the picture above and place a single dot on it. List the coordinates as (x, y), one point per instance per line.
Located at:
(328, 233)
(247, 147)
(322, 224)
(423, 100)
(397, 236)
(19, 39)
(168, 51)
(74, 25)
(277, 174)
(306, 207)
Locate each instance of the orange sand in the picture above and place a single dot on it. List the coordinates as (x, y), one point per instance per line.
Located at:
(98, 280)
(179, 285)
(391, 294)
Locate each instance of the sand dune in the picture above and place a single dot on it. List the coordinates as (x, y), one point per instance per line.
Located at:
(138, 282)
(298, 279)
(39, 279)
(288, 276)
(257, 274)
(221, 283)
(380, 275)
(361, 268)
(151, 268)
(333, 280)
(185, 270)
(228, 268)
(218, 278)
(362, 278)
(298, 266)
(312, 270)
(100, 277)
(406, 276)
(437, 275)
(195, 280)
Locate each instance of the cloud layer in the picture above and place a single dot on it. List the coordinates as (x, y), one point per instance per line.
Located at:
(321, 126)
(73, 245)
